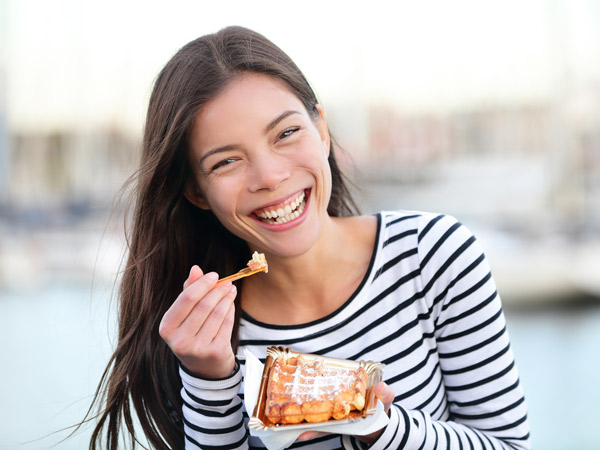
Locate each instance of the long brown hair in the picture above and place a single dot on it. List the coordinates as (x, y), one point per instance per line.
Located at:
(168, 234)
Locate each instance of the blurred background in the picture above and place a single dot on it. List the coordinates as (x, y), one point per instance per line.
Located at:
(488, 111)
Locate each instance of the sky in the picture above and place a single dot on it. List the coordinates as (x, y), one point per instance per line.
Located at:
(82, 64)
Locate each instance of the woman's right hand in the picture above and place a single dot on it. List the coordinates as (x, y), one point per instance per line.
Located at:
(198, 325)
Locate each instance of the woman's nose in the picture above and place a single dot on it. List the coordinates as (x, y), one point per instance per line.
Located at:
(268, 171)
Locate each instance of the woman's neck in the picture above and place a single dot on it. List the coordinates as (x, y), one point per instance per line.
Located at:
(310, 286)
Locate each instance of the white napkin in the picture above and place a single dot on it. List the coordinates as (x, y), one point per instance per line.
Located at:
(277, 438)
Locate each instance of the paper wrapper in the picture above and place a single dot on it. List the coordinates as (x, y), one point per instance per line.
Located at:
(277, 437)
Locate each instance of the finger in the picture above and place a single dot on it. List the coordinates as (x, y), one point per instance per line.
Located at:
(386, 394)
(218, 319)
(308, 435)
(226, 329)
(195, 274)
(202, 309)
(185, 303)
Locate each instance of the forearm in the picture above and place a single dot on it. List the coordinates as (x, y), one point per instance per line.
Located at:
(412, 429)
(212, 411)
(416, 429)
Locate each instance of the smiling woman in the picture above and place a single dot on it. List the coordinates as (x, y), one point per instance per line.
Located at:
(237, 157)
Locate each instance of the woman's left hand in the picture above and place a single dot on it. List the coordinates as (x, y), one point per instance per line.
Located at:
(385, 394)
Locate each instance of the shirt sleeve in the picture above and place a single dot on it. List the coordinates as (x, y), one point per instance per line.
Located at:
(212, 412)
(486, 405)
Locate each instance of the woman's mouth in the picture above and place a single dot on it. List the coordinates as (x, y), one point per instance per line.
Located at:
(283, 212)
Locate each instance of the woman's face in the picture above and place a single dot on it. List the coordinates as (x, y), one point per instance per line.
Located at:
(260, 161)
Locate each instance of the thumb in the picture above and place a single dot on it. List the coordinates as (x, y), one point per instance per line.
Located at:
(386, 394)
(195, 274)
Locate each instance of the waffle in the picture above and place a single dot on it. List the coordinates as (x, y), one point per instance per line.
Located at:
(300, 390)
(258, 262)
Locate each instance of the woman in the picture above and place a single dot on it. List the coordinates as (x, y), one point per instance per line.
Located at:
(238, 158)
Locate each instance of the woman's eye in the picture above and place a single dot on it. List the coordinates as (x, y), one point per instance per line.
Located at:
(222, 163)
(288, 132)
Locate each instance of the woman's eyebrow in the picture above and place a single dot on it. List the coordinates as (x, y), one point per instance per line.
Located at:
(278, 119)
(216, 150)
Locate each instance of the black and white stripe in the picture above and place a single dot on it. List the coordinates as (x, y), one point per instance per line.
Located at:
(428, 308)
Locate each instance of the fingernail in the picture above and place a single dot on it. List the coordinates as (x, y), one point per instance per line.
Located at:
(388, 390)
(384, 390)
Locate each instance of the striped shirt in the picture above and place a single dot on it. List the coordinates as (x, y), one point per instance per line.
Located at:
(428, 308)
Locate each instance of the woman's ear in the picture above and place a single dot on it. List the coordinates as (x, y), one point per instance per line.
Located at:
(194, 196)
(323, 130)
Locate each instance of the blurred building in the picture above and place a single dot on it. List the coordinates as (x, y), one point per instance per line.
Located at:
(554, 145)
(66, 173)
(59, 195)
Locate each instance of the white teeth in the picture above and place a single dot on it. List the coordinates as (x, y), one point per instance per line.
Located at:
(285, 214)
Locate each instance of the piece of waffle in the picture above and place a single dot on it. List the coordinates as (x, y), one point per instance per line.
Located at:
(300, 390)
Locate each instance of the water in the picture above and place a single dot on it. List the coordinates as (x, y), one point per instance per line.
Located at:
(56, 342)
(556, 349)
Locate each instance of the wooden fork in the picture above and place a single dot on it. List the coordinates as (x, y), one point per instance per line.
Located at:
(245, 272)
